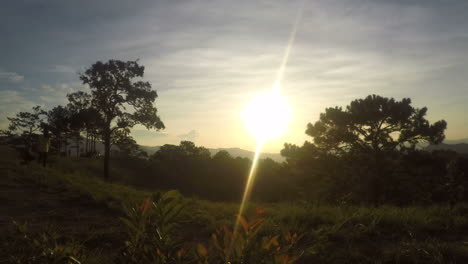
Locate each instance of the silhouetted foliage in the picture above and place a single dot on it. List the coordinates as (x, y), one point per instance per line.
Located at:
(27, 123)
(84, 117)
(58, 122)
(374, 124)
(195, 172)
(127, 145)
(113, 91)
(368, 153)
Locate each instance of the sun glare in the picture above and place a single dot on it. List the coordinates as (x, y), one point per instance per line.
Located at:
(267, 117)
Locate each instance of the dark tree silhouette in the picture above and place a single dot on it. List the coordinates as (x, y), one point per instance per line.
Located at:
(58, 122)
(27, 123)
(359, 151)
(78, 101)
(375, 123)
(114, 90)
(84, 117)
(185, 150)
(192, 170)
(127, 144)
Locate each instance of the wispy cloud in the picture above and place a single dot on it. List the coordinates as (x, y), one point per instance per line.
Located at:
(11, 76)
(62, 69)
(12, 102)
(190, 136)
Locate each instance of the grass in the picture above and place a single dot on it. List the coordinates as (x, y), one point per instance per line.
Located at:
(71, 199)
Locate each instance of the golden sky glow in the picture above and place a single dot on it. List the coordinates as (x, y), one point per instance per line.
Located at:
(208, 59)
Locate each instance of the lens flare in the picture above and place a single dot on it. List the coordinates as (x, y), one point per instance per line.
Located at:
(246, 196)
(266, 118)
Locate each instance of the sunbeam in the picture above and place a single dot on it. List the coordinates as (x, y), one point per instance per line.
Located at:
(292, 38)
(264, 124)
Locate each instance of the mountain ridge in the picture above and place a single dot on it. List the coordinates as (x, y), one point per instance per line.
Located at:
(461, 148)
(235, 152)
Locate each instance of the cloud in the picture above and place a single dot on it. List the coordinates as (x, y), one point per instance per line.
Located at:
(190, 136)
(58, 89)
(24, 97)
(12, 102)
(11, 76)
(146, 134)
(57, 94)
(62, 69)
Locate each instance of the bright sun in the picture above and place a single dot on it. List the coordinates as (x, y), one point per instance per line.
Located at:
(267, 116)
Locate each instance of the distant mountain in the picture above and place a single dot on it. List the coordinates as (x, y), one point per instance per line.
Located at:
(150, 149)
(425, 145)
(235, 152)
(456, 141)
(460, 148)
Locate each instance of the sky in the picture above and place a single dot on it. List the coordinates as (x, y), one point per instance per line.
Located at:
(208, 59)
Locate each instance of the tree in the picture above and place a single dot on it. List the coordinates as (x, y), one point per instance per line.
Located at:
(83, 116)
(358, 152)
(375, 124)
(191, 170)
(114, 92)
(58, 122)
(27, 123)
(186, 150)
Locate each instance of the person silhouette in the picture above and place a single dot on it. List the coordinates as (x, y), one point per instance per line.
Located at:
(43, 147)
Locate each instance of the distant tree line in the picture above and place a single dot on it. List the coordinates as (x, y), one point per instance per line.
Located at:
(195, 172)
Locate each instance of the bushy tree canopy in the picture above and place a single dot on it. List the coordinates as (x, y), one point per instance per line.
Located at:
(367, 153)
(375, 123)
(114, 89)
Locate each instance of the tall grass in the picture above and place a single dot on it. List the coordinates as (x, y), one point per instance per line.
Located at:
(331, 233)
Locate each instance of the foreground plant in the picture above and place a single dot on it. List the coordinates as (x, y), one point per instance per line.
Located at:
(154, 237)
(152, 229)
(42, 248)
(244, 245)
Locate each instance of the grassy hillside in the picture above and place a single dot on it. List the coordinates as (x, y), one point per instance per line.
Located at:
(78, 211)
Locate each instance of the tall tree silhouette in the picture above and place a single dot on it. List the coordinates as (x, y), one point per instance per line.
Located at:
(372, 130)
(358, 151)
(114, 93)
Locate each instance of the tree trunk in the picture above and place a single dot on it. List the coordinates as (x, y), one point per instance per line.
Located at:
(377, 180)
(29, 144)
(94, 143)
(78, 146)
(106, 153)
(59, 143)
(66, 145)
(87, 143)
